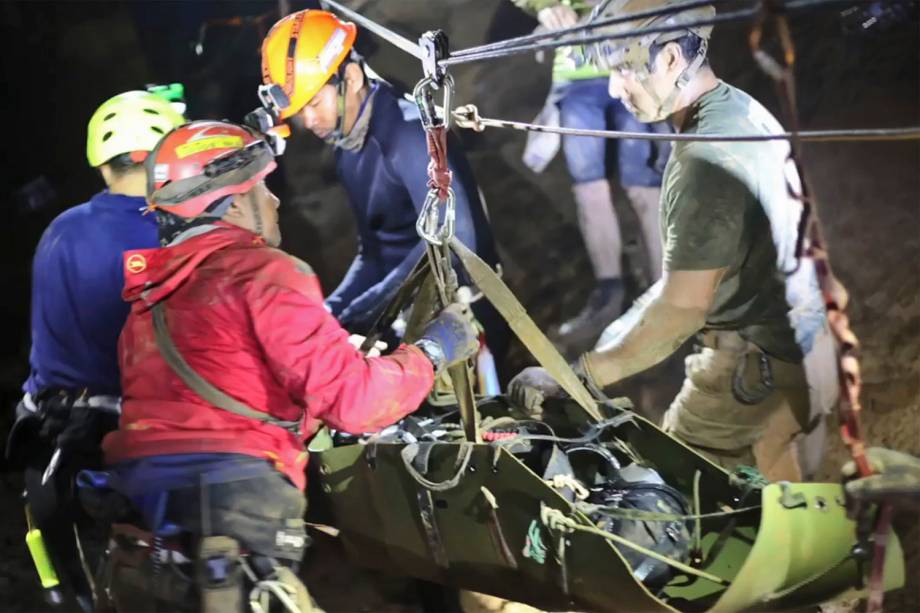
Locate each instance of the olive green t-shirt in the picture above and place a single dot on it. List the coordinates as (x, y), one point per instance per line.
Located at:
(727, 205)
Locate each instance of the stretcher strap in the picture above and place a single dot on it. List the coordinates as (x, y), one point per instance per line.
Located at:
(497, 293)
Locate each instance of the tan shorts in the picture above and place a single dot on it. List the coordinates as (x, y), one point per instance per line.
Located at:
(708, 414)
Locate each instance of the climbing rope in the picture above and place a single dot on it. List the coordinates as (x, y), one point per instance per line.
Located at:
(538, 42)
(467, 116)
(639, 515)
(590, 25)
(742, 15)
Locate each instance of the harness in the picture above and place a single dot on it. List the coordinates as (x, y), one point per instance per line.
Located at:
(200, 385)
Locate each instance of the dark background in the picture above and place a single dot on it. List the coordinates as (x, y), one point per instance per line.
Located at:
(60, 60)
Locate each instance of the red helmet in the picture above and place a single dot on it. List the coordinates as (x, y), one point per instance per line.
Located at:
(203, 161)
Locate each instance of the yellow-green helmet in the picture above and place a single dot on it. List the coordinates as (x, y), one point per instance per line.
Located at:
(130, 122)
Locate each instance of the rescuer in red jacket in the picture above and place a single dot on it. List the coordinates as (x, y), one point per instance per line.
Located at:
(230, 361)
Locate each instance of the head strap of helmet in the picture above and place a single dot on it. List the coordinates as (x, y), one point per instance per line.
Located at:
(338, 79)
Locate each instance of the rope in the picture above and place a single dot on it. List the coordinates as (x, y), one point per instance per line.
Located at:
(561, 482)
(698, 528)
(639, 515)
(439, 173)
(467, 116)
(586, 27)
(397, 40)
(743, 15)
(556, 521)
(460, 465)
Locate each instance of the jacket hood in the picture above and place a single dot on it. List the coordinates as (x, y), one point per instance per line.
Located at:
(152, 275)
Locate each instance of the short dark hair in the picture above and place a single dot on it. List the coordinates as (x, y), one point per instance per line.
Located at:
(122, 164)
(689, 47)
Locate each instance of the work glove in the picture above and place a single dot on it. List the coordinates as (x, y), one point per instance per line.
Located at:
(449, 338)
(531, 387)
(896, 479)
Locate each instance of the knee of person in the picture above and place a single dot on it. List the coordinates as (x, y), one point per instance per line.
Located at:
(584, 159)
(644, 200)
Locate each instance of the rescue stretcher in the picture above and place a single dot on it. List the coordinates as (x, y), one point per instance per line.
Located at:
(479, 515)
(481, 519)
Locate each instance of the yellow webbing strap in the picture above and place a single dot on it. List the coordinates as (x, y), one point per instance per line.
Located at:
(497, 293)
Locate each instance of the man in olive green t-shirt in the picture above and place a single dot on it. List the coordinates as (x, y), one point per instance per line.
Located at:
(729, 228)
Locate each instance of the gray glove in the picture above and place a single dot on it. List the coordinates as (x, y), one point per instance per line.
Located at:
(449, 338)
(896, 479)
(530, 387)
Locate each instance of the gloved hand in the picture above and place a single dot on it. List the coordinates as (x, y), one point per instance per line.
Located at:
(449, 338)
(896, 479)
(557, 17)
(530, 387)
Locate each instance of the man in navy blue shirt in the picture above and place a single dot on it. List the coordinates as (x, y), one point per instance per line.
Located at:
(72, 395)
(381, 159)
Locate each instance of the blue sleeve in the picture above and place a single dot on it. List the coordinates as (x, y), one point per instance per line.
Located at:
(362, 275)
(409, 157)
(50, 305)
(363, 311)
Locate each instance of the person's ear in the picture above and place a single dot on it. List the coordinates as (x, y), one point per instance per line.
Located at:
(107, 175)
(354, 77)
(237, 208)
(671, 58)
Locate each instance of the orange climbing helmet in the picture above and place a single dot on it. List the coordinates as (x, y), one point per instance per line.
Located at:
(302, 52)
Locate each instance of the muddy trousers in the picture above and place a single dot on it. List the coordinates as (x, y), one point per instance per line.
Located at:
(739, 406)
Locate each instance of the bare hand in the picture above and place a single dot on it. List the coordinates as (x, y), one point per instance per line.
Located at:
(356, 340)
(557, 17)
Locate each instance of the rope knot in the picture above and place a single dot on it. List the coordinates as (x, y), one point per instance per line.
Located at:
(556, 521)
(467, 116)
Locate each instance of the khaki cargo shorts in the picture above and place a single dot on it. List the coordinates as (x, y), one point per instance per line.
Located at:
(739, 405)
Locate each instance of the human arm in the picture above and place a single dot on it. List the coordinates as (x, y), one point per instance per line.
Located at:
(362, 311)
(406, 161)
(705, 221)
(308, 352)
(704, 227)
(552, 14)
(362, 275)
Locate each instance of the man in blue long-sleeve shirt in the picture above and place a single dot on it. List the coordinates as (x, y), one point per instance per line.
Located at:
(72, 394)
(381, 159)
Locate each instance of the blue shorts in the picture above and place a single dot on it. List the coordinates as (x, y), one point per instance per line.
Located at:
(587, 104)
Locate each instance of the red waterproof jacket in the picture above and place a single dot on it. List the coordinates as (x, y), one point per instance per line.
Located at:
(250, 320)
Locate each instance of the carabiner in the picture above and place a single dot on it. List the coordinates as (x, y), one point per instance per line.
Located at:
(425, 100)
(427, 224)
